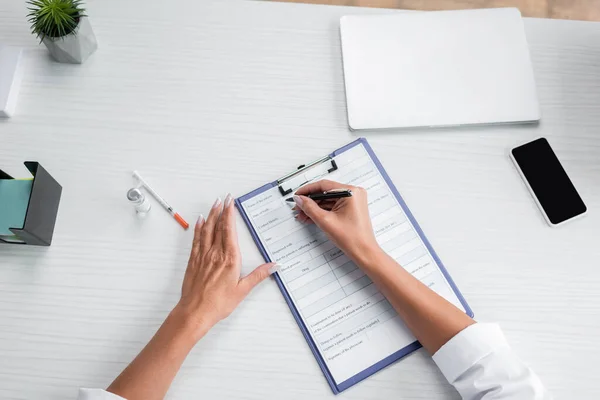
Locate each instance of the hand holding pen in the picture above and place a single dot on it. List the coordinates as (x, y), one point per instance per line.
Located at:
(345, 220)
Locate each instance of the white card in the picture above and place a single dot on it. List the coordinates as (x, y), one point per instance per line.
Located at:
(10, 79)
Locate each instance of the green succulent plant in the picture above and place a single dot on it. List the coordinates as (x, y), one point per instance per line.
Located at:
(54, 18)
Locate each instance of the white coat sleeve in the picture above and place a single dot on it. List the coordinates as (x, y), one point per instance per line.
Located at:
(480, 364)
(97, 394)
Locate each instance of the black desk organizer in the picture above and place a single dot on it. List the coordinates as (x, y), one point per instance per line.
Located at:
(42, 209)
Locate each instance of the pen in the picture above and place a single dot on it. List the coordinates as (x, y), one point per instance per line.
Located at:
(162, 201)
(331, 194)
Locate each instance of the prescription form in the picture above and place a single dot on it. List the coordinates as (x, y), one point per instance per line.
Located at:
(349, 320)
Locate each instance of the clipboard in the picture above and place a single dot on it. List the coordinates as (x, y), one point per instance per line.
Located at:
(316, 170)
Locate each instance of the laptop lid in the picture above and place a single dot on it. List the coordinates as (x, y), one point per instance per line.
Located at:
(438, 68)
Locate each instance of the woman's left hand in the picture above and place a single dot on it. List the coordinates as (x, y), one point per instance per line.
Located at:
(212, 285)
(212, 289)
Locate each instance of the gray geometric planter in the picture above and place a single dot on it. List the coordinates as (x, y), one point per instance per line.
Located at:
(75, 47)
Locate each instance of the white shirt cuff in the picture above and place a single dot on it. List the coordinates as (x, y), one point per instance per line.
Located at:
(97, 394)
(467, 348)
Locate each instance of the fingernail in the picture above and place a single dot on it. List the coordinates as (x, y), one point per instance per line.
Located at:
(298, 201)
(274, 268)
(217, 202)
(200, 220)
(227, 199)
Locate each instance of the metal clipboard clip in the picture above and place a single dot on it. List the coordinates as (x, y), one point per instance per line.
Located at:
(314, 170)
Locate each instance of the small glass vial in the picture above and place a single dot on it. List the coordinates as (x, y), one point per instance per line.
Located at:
(141, 203)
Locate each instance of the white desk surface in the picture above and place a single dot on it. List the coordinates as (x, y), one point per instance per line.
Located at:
(215, 96)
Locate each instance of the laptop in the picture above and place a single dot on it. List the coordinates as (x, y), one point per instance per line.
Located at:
(435, 69)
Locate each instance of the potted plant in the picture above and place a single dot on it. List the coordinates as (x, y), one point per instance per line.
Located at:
(64, 28)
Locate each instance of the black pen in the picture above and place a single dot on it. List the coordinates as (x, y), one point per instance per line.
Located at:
(329, 195)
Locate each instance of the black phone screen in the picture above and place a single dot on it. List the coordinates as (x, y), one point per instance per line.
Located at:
(548, 181)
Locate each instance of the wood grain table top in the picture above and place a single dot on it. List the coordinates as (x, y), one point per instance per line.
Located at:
(210, 97)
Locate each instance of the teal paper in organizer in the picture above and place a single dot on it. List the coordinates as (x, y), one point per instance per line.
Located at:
(14, 199)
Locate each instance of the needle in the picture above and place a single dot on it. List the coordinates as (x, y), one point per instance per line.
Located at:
(162, 201)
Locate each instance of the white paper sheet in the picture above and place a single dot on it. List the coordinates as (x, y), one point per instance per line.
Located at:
(351, 322)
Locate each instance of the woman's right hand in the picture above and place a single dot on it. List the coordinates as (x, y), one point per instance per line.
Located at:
(346, 221)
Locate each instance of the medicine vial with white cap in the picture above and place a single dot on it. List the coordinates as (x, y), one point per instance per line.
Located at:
(141, 203)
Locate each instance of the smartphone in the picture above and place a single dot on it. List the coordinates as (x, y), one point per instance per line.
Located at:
(548, 182)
